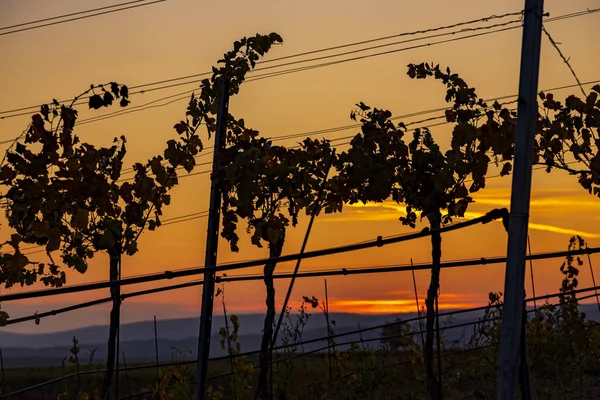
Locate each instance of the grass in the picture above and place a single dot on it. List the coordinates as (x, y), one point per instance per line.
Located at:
(356, 374)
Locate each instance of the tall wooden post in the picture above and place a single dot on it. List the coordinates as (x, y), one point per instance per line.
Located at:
(514, 287)
(212, 241)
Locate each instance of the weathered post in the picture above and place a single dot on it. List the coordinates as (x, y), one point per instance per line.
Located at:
(212, 241)
(514, 286)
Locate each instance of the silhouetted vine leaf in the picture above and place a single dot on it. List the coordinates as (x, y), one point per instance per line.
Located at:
(96, 102)
(107, 98)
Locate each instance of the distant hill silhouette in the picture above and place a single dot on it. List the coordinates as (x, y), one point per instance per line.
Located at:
(137, 339)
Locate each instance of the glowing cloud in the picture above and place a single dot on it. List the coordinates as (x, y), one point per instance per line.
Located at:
(389, 306)
(544, 227)
(551, 200)
(390, 211)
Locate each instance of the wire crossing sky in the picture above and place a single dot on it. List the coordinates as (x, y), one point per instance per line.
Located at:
(9, 30)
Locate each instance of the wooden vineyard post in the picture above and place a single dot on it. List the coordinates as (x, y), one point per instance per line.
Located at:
(511, 342)
(212, 240)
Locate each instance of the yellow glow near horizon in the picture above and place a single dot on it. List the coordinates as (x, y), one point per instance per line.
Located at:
(388, 306)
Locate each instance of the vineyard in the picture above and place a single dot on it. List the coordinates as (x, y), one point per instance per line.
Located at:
(67, 201)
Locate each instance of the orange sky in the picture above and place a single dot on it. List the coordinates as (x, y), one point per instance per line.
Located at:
(183, 37)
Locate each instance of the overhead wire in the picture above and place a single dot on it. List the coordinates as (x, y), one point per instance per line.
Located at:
(379, 242)
(354, 126)
(485, 19)
(558, 18)
(332, 272)
(141, 107)
(418, 32)
(70, 15)
(169, 221)
(346, 45)
(296, 69)
(62, 21)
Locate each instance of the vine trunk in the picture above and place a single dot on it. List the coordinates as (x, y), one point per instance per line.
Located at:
(275, 250)
(432, 293)
(115, 292)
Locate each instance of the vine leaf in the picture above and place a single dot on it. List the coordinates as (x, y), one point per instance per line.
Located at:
(96, 102)
(82, 218)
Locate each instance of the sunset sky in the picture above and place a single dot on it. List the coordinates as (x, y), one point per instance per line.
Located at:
(184, 37)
